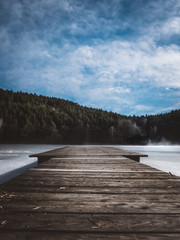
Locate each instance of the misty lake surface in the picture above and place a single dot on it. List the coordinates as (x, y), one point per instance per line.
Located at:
(14, 158)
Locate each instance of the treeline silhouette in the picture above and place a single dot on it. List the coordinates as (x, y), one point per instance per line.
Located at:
(29, 118)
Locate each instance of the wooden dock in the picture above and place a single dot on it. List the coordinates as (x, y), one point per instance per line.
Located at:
(88, 192)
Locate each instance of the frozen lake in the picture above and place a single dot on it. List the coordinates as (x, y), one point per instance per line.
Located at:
(163, 157)
(14, 158)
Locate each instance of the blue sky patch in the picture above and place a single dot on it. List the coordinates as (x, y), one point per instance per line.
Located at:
(118, 55)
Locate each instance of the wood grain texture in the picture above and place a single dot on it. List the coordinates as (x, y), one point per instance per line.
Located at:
(88, 192)
(86, 236)
(117, 223)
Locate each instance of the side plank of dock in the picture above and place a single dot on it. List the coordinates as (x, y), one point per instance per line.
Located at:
(90, 192)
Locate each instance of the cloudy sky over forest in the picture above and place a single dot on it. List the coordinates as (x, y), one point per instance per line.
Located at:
(118, 55)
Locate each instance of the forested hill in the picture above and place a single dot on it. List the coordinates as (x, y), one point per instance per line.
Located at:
(28, 118)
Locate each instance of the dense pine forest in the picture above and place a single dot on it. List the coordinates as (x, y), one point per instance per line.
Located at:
(29, 118)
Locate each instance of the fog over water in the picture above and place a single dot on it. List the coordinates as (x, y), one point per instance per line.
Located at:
(14, 158)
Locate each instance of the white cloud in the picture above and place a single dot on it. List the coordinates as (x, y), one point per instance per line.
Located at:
(172, 26)
(125, 62)
(142, 108)
(50, 50)
(101, 75)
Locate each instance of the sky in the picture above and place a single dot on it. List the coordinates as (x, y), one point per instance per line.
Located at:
(117, 55)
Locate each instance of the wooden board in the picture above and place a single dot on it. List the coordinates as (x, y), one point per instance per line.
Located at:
(117, 223)
(90, 193)
(86, 236)
(88, 151)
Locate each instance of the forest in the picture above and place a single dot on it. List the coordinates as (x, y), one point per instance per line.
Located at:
(29, 118)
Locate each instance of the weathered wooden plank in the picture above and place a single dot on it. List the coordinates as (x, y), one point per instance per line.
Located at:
(94, 166)
(121, 175)
(123, 203)
(75, 189)
(74, 197)
(37, 172)
(90, 161)
(102, 168)
(140, 207)
(96, 170)
(86, 236)
(117, 223)
(83, 182)
(90, 156)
